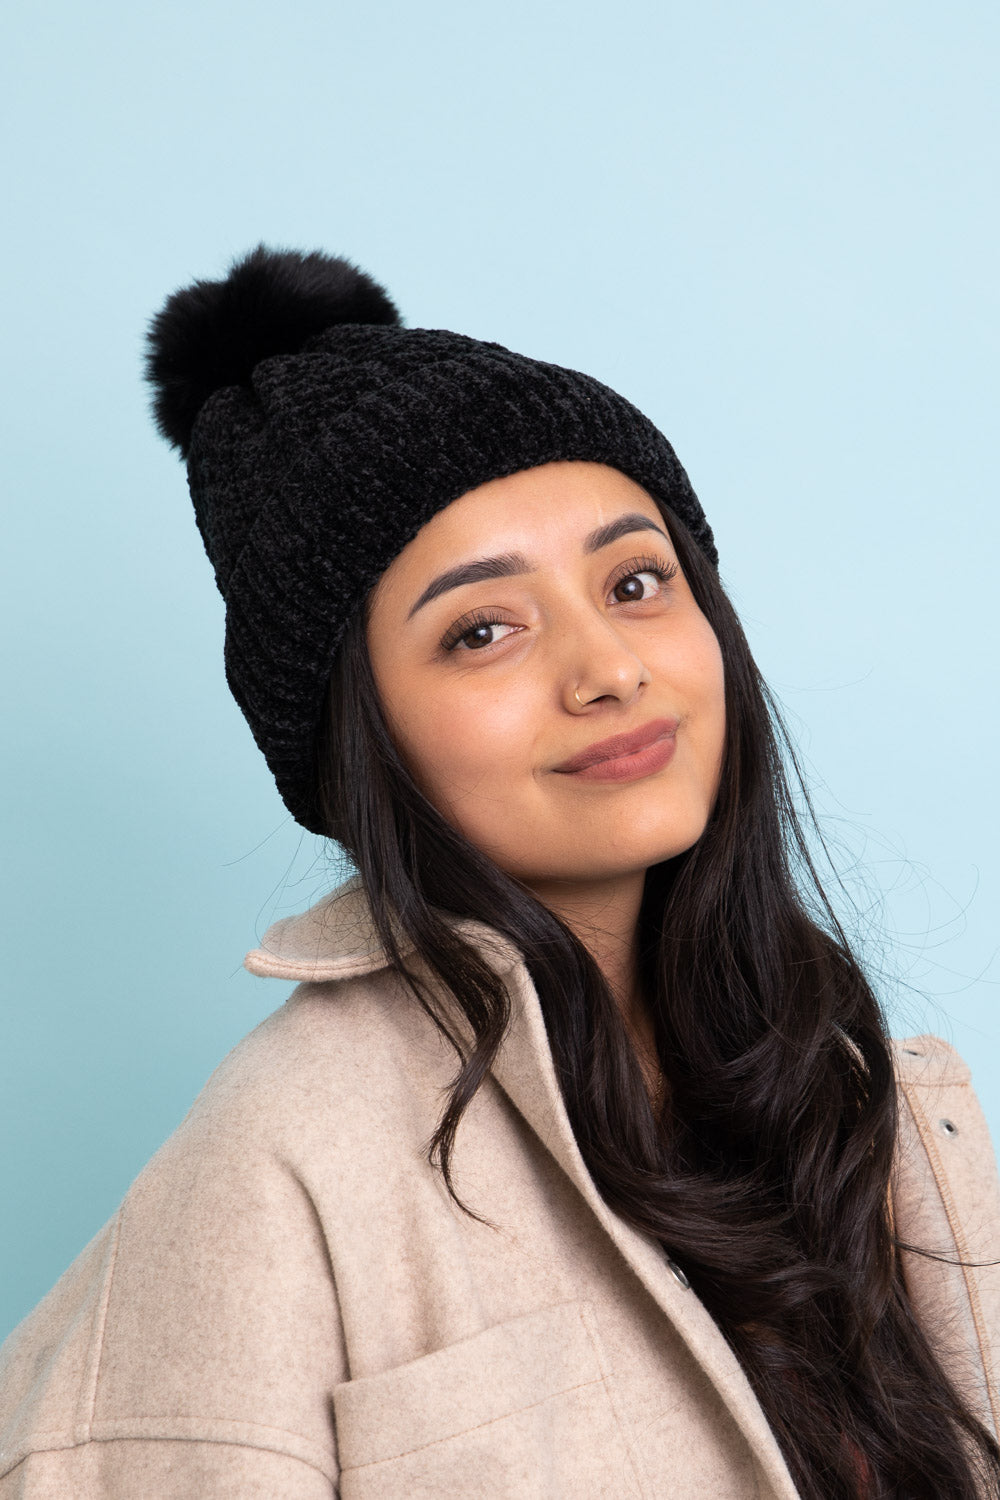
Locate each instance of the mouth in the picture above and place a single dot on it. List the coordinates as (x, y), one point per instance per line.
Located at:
(625, 755)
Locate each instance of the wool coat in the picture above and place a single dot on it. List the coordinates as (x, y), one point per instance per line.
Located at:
(289, 1306)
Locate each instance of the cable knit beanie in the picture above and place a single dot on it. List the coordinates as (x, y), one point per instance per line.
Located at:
(320, 434)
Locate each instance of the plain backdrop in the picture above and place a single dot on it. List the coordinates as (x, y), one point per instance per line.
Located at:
(772, 226)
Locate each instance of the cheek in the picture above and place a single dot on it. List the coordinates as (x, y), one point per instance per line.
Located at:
(717, 716)
(460, 742)
(714, 683)
(406, 719)
(412, 727)
(701, 676)
(441, 736)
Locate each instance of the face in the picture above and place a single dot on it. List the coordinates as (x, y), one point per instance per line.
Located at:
(580, 628)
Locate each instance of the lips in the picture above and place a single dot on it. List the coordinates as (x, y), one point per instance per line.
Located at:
(621, 744)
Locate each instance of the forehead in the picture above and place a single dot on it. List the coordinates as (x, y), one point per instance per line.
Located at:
(544, 495)
(551, 504)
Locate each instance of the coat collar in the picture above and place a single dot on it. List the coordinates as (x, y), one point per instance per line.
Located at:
(336, 939)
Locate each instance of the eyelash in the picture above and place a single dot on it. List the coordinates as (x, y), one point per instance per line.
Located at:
(665, 572)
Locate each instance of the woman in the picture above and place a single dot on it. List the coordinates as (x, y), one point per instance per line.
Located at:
(579, 1163)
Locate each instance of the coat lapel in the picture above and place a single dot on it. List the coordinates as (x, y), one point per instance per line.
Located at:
(525, 1071)
(335, 939)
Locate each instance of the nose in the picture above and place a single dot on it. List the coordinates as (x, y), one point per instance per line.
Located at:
(599, 662)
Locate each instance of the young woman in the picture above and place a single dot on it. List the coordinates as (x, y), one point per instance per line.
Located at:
(579, 1163)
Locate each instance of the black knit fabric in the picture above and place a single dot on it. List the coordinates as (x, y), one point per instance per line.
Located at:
(310, 475)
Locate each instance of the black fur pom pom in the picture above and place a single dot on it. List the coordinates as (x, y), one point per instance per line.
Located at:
(211, 334)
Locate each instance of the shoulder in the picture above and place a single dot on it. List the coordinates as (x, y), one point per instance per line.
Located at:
(945, 1149)
(943, 1131)
(929, 1060)
(320, 1074)
(946, 1198)
(205, 1311)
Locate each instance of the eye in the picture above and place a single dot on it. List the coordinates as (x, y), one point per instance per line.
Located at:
(480, 623)
(475, 631)
(644, 567)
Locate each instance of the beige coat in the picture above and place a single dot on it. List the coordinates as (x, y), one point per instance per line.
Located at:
(288, 1306)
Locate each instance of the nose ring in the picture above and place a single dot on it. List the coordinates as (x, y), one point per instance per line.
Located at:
(579, 700)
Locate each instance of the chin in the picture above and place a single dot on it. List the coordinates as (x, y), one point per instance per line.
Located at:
(592, 855)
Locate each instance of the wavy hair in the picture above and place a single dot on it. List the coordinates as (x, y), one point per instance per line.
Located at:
(766, 1176)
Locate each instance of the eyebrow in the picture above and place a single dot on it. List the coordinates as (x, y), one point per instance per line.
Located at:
(514, 564)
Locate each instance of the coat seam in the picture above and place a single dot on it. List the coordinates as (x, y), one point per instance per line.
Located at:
(954, 1224)
(587, 1317)
(476, 1427)
(88, 1390)
(48, 1442)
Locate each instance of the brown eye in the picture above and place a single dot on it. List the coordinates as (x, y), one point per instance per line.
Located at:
(463, 635)
(638, 569)
(630, 587)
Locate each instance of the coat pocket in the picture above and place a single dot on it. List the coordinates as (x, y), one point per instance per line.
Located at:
(521, 1410)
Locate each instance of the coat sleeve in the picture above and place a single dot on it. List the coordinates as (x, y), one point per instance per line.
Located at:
(946, 1199)
(193, 1346)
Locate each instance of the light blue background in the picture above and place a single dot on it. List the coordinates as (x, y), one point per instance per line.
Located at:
(772, 226)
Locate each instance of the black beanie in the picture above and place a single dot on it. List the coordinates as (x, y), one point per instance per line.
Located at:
(320, 435)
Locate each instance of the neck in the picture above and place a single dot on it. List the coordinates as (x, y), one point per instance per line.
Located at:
(604, 915)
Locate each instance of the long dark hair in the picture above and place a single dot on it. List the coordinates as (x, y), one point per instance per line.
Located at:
(766, 1178)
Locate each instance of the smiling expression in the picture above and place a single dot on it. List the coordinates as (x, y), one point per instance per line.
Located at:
(535, 616)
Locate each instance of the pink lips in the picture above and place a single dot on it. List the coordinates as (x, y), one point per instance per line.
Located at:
(620, 755)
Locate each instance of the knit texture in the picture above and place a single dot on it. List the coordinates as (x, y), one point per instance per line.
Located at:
(310, 474)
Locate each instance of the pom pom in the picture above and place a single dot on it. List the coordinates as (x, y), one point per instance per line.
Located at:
(213, 333)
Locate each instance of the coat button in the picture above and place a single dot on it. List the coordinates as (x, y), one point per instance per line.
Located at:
(949, 1127)
(678, 1273)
